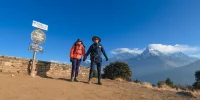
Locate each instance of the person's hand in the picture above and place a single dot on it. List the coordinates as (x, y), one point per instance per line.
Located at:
(106, 58)
(71, 59)
(84, 58)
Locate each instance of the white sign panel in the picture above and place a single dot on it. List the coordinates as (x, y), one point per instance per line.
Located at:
(40, 25)
(36, 48)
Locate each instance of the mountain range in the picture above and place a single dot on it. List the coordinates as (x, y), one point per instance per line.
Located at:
(181, 75)
(152, 65)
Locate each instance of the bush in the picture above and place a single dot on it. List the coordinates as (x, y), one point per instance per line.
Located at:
(153, 85)
(169, 82)
(190, 88)
(117, 70)
(181, 87)
(196, 85)
(197, 76)
(137, 81)
(160, 84)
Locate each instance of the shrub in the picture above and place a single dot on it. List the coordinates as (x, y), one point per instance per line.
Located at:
(137, 81)
(153, 85)
(197, 76)
(169, 82)
(160, 84)
(196, 85)
(118, 70)
(190, 88)
(181, 87)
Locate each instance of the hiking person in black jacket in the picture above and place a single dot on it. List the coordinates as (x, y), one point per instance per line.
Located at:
(95, 51)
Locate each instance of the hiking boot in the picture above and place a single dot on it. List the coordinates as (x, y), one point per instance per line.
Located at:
(72, 79)
(89, 82)
(76, 80)
(99, 83)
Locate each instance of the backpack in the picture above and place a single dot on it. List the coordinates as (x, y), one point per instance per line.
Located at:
(72, 59)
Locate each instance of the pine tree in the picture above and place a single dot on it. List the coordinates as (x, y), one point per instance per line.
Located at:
(196, 85)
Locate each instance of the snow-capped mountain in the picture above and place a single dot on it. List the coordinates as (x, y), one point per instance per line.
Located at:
(148, 52)
(124, 56)
(151, 61)
(121, 57)
(173, 59)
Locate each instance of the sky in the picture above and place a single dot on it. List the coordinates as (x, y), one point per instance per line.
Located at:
(123, 25)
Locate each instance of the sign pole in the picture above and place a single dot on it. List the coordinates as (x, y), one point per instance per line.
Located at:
(38, 37)
(33, 64)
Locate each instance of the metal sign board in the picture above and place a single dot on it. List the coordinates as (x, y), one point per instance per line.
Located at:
(40, 25)
(38, 36)
(36, 48)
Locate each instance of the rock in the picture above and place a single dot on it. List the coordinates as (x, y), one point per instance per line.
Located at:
(7, 64)
(12, 75)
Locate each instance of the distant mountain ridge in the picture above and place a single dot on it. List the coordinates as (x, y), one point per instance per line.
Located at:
(151, 61)
(175, 59)
(181, 75)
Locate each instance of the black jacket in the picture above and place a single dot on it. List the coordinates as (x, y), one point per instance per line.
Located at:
(95, 51)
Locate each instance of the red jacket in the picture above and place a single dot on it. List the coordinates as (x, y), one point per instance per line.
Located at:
(78, 53)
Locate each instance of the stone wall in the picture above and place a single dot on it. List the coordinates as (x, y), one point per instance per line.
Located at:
(16, 65)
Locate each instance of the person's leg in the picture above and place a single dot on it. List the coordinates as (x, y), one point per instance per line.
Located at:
(92, 64)
(99, 72)
(73, 69)
(77, 69)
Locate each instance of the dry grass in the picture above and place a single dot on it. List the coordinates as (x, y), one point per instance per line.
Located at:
(119, 79)
(147, 84)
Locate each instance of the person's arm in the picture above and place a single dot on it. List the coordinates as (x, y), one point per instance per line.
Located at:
(88, 52)
(104, 52)
(72, 51)
(83, 51)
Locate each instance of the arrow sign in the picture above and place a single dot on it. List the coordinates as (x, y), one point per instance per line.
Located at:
(35, 47)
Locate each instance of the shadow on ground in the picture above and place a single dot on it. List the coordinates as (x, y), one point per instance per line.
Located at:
(186, 94)
(42, 67)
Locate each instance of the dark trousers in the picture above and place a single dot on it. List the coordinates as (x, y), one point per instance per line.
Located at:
(98, 70)
(75, 67)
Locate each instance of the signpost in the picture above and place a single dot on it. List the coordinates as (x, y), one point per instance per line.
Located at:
(38, 37)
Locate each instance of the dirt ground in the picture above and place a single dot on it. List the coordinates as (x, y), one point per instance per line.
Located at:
(24, 87)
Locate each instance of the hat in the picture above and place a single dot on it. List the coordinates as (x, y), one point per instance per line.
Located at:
(79, 40)
(94, 37)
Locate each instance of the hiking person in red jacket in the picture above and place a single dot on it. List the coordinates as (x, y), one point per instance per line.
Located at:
(76, 53)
